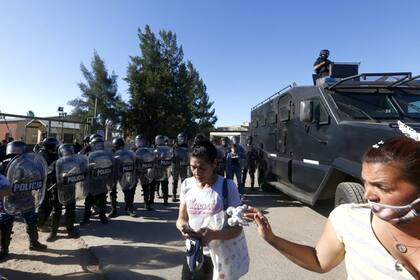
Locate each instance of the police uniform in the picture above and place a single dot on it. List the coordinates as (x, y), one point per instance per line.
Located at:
(14, 149)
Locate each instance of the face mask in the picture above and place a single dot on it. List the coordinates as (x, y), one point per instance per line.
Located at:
(395, 214)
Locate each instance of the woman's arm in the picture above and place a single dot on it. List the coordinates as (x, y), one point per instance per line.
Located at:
(182, 221)
(327, 254)
(227, 233)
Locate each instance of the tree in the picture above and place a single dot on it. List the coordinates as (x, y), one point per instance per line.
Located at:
(30, 113)
(100, 92)
(167, 95)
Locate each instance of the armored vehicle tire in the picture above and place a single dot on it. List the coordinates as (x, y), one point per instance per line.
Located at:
(349, 192)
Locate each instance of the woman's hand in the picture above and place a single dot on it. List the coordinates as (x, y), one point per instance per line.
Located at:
(264, 228)
(207, 235)
(186, 231)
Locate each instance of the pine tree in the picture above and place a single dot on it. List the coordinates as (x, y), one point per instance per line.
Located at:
(100, 87)
(167, 95)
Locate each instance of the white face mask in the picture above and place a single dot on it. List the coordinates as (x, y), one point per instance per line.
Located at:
(395, 214)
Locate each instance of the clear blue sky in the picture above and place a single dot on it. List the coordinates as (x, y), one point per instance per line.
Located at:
(244, 50)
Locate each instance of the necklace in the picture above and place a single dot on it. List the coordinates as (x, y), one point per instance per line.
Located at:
(401, 247)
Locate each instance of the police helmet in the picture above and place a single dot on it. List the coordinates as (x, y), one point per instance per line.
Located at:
(97, 143)
(118, 143)
(199, 138)
(65, 150)
(140, 141)
(181, 138)
(15, 148)
(324, 53)
(160, 140)
(249, 140)
(50, 144)
(92, 136)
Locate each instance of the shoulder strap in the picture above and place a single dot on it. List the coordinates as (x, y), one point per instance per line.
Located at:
(225, 194)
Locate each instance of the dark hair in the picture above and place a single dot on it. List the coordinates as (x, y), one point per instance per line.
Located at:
(401, 152)
(204, 149)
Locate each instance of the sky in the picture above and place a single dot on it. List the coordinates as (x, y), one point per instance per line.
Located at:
(244, 50)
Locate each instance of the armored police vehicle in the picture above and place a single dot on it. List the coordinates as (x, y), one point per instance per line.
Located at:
(311, 138)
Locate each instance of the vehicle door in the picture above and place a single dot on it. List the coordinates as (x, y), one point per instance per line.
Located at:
(282, 161)
(313, 141)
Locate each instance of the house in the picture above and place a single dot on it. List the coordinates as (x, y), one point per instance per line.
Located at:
(33, 130)
(230, 132)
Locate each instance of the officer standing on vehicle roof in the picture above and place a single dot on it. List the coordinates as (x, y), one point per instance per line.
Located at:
(322, 64)
(49, 152)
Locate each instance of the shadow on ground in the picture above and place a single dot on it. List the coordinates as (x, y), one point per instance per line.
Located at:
(124, 258)
(114, 273)
(24, 275)
(274, 198)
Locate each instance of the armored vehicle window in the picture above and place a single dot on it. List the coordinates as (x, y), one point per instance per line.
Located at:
(272, 118)
(365, 105)
(284, 113)
(320, 113)
(410, 104)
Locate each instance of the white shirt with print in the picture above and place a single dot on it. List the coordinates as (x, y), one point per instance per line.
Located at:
(202, 203)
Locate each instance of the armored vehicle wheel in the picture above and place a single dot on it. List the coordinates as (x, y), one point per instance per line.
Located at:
(349, 192)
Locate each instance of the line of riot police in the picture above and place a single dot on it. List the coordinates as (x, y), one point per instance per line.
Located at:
(54, 177)
(234, 160)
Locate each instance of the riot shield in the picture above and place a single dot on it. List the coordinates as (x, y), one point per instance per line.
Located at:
(72, 175)
(27, 174)
(181, 163)
(101, 172)
(181, 156)
(164, 158)
(145, 160)
(125, 168)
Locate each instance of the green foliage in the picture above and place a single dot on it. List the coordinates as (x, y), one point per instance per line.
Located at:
(167, 95)
(102, 88)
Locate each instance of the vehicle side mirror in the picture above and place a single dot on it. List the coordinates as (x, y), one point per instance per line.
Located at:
(306, 111)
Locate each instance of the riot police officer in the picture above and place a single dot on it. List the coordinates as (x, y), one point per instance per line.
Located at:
(145, 160)
(222, 152)
(251, 162)
(19, 203)
(5, 187)
(180, 163)
(48, 150)
(322, 64)
(125, 177)
(101, 178)
(163, 161)
(86, 144)
(71, 175)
